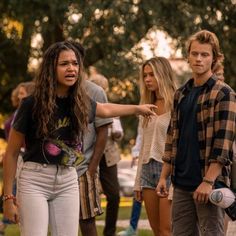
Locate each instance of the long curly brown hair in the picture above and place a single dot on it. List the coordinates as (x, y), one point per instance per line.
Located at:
(45, 93)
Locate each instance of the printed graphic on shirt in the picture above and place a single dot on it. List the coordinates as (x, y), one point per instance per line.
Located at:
(60, 147)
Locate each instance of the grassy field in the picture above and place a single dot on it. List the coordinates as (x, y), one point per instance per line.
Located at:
(124, 213)
(14, 231)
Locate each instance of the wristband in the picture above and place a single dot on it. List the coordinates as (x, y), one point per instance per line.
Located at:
(208, 181)
(8, 197)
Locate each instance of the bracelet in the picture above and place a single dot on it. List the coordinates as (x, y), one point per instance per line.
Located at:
(208, 181)
(8, 197)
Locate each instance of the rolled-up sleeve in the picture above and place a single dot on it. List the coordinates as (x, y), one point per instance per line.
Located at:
(224, 129)
(169, 140)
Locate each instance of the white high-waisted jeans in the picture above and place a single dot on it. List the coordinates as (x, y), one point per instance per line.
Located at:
(48, 195)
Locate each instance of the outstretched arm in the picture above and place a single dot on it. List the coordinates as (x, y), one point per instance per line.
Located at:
(106, 110)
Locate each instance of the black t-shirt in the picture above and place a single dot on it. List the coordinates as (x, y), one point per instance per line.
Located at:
(61, 147)
(187, 163)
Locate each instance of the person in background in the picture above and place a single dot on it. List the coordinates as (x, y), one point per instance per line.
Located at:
(94, 142)
(7, 126)
(94, 146)
(157, 86)
(51, 122)
(199, 141)
(22, 90)
(137, 205)
(15, 103)
(108, 165)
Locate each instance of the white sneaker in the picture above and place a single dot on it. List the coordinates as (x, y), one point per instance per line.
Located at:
(128, 232)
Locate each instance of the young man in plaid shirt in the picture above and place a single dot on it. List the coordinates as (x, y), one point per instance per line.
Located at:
(198, 148)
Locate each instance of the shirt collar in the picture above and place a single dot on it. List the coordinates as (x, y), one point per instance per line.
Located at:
(208, 84)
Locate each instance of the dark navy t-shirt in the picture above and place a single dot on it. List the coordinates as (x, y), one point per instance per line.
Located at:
(61, 147)
(187, 163)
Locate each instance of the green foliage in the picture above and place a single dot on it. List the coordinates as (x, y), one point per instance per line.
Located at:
(109, 30)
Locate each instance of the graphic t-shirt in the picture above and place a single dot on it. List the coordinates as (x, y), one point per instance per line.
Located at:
(60, 147)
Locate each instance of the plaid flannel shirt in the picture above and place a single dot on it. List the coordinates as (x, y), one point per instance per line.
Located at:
(216, 112)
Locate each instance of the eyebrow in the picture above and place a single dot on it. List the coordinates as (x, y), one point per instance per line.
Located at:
(68, 61)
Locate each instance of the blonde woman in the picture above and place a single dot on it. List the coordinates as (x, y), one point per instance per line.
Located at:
(157, 86)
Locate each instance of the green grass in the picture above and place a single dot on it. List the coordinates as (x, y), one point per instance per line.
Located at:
(141, 232)
(12, 230)
(124, 213)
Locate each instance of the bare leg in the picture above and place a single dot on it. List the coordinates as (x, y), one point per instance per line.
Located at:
(165, 216)
(158, 212)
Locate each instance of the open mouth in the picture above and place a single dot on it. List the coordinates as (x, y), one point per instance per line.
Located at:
(70, 77)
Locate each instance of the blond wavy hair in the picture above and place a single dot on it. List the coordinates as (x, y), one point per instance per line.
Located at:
(205, 36)
(164, 76)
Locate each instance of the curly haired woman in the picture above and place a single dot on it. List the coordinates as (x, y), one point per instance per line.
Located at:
(51, 122)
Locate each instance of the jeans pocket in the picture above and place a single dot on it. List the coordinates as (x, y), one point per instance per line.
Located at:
(32, 166)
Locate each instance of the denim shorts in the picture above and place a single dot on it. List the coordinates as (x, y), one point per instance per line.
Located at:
(150, 174)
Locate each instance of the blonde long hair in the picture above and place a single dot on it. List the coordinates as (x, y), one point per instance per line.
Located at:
(164, 76)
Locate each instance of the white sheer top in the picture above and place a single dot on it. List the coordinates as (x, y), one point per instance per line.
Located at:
(153, 143)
